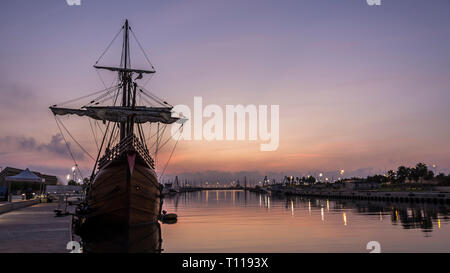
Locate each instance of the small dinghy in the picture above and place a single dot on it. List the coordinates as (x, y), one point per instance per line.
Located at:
(168, 218)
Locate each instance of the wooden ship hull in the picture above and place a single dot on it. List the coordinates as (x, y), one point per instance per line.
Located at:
(125, 191)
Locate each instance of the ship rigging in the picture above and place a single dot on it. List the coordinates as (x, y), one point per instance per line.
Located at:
(123, 186)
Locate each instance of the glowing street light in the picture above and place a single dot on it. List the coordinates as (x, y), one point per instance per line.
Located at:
(73, 172)
(68, 177)
(342, 172)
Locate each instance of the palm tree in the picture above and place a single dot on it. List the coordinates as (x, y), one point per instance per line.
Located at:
(391, 175)
(420, 171)
(403, 173)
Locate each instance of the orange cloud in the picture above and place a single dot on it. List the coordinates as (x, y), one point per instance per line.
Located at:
(303, 155)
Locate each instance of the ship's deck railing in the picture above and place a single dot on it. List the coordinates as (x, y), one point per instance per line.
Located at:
(130, 143)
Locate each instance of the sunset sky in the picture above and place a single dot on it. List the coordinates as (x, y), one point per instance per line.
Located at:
(361, 88)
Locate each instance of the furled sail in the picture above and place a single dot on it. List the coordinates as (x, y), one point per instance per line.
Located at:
(141, 114)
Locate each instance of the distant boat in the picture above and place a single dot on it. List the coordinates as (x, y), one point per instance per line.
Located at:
(169, 190)
(124, 191)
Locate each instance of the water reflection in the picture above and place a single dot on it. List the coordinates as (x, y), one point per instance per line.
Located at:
(409, 215)
(240, 221)
(140, 239)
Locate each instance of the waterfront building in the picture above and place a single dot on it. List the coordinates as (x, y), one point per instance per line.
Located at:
(21, 185)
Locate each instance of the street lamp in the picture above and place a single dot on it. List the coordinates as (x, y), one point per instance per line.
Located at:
(73, 172)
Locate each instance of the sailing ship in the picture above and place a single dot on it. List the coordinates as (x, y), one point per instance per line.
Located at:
(123, 189)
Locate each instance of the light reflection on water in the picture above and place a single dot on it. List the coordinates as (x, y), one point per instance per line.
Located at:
(238, 221)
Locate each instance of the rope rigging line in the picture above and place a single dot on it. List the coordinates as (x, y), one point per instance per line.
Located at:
(68, 148)
(142, 49)
(115, 124)
(153, 96)
(113, 131)
(158, 140)
(116, 136)
(93, 134)
(152, 136)
(101, 78)
(171, 154)
(82, 97)
(98, 154)
(96, 122)
(140, 99)
(141, 134)
(105, 99)
(110, 44)
(147, 102)
(150, 77)
(81, 147)
(169, 138)
(98, 126)
(102, 98)
(149, 132)
(149, 96)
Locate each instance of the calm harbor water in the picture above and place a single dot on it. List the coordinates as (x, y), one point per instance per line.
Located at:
(238, 221)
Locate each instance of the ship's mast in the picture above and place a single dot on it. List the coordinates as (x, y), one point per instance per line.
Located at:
(126, 81)
(124, 116)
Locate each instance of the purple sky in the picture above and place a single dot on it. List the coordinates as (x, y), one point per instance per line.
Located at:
(360, 88)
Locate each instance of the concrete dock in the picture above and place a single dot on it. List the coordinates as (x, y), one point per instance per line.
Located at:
(34, 229)
(17, 204)
(412, 197)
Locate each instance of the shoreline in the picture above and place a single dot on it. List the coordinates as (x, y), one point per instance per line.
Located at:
(411, 197)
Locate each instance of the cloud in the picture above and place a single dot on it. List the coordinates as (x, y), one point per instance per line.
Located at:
(15, 96)
(55, 146)
(302, 155)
